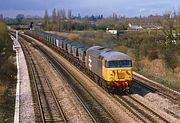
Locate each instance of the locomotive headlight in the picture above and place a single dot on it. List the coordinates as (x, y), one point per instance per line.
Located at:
(111, 74)
(129, 73)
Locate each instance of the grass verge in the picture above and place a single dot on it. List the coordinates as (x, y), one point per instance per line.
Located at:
(161, 79)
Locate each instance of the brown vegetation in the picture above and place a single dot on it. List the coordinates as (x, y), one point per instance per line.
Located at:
(158, 66)
(7, 76)
(72, 36)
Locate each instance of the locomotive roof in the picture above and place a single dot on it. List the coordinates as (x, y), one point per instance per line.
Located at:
(107, 54)
(114, 55)
(97, 50)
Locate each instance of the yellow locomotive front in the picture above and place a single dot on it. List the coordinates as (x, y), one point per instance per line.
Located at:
(117, 70)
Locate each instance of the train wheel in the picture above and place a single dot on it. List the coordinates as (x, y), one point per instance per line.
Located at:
(108, 88)
(111, 89)
(128, 90)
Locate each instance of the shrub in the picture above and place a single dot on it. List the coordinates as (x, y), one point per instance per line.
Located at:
(170, 58)
(7, 67)
(153, 55)
(123, 49)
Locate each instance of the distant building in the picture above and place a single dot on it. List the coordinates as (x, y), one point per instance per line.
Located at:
(115, 32)
(135, 27)
(151, 26)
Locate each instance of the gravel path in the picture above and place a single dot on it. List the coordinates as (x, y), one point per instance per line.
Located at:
(163, 104)
(26, 109)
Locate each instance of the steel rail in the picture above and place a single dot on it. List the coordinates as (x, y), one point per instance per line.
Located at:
(35, 79)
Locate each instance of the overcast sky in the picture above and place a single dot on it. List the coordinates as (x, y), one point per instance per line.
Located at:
(10, 8)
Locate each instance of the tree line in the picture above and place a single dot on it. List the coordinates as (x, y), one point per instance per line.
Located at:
(62, 20)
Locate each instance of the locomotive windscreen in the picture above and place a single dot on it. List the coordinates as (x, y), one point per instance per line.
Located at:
(120, 63)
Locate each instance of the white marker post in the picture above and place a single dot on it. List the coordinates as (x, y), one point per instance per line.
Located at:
(17, 40)
(17, 36)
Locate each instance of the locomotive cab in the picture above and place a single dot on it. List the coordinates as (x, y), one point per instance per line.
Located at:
(117, 71)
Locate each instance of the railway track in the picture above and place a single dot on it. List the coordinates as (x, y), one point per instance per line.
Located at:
(158, 88)
(159, 92)
(141, 111)
(48, 104)
(94, 108)
(165, 92)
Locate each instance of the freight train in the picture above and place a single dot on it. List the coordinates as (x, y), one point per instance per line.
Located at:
(110, 69)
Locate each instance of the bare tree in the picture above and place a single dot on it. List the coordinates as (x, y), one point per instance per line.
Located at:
(69, 14)
(59, 16)
(59, 20)
(115, 16)
(54, 16)
(79, 16)
(46, 18)
(168, 24)
(63, 13)
(20, 18)
(178, 22)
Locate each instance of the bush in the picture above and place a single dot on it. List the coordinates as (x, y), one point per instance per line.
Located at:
(170, 58)
(97, 38)
(7, 67)
(123, 49)
(7, 76)
(153, 55)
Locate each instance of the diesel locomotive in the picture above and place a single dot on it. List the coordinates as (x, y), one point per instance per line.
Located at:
(110, 69)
